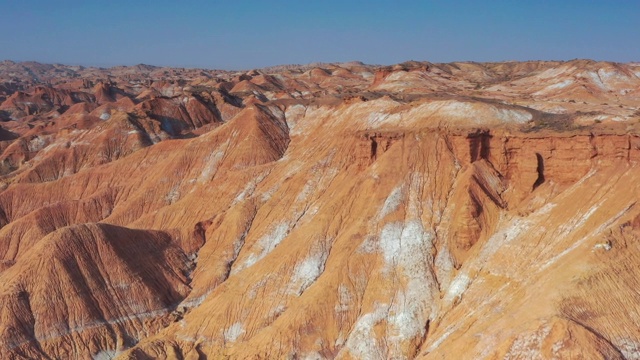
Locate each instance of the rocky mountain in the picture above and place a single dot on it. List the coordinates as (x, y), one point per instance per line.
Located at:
(326, 211)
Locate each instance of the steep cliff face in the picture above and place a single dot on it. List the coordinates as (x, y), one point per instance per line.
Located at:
(344, 212)
(528, 160)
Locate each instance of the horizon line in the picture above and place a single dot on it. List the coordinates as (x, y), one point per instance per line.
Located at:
(106, 66)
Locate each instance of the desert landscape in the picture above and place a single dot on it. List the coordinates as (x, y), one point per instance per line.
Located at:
(326, 211)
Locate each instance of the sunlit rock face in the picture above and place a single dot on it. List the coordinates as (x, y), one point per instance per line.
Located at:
(333, 211)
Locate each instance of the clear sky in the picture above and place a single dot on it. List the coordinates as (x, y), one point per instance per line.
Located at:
(236, 34)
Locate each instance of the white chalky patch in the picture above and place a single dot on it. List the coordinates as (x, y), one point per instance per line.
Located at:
(527, 346)
(407, 319)
(611, 75)
(293, 115)
(106, 355)
(367, 74)
(458, 286)
(504, 236)
(173, 195)
(390, 243)
(406, 245)
(510, 115)
(450, 330)
(406, 249)
(453, 111)
(630, 349)
(307, 271)
(369, 245)
(444, 266)
(376, 118)
(313, 356)
(392, 202)
(596, 80)
(556, 347)
(308, 188)
(577, 221)
(362, 342)
(264, 246)
(233, 332)
(345, 299)
(560, 85)
(36, 144)
(196, 301)
(277, 311)
(210, 165)
(554, 72)
(250, 187)
(238, 244)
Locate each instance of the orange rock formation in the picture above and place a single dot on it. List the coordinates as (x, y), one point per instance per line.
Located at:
(338, 211)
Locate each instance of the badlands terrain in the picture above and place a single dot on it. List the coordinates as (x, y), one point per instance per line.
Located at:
(327, 211)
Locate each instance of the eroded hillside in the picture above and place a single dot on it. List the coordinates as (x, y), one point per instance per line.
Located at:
(347, 211)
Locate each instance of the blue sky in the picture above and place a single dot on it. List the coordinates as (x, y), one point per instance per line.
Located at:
(250, 34)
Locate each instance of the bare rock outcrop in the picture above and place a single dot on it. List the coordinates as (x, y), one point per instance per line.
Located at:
(325, 211)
